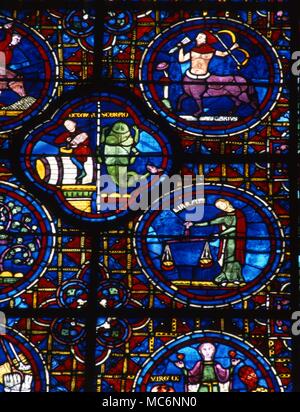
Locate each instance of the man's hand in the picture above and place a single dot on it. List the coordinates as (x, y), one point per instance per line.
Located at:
(8, 26)
(235, 46)
(179, 364)
(183, 42)
(235, 362)
(188, 224)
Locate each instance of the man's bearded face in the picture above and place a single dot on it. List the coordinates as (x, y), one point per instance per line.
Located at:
(15, 40)
(201, 38)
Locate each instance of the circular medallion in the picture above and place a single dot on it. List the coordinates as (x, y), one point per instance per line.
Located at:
(211, 76)
(91, 153)
(68, 331)
(73, 294)
(26, 240)
(27, 76)
(112, 333)
(79, 23)
(112, 294)
(118, 22)
(22, 368)
(234, 363)
(229, 254)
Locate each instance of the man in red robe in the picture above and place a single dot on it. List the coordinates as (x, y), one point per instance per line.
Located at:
(7, 44)
(78, 142)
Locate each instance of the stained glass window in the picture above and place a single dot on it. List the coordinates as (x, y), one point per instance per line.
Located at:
(111, 280)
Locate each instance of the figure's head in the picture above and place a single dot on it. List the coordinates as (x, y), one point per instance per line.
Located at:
(207, 350)
(120, 131)
(201, 38)
(162, 388)
(70, 125)
(16, 38)
(248, 376)
(224, 205)
(206, 37)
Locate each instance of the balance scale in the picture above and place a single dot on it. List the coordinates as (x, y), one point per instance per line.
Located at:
(205, 261)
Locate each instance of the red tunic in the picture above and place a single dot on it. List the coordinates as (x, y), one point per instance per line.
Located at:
(6, 48)
(204, 49)
(81, 151)
(240, 237)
